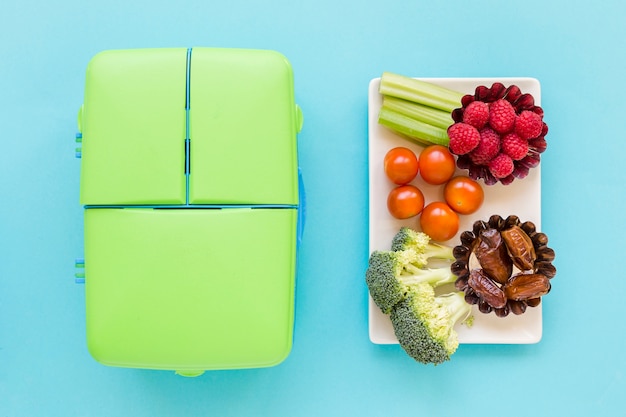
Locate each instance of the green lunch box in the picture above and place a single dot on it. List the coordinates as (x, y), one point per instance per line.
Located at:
(193, 208)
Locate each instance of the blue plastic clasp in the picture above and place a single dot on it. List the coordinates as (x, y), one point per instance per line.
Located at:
(79, 150)
(79, 135)
(79, 276)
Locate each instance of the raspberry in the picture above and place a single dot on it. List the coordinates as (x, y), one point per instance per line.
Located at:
(501, 166)
(505, 105)
(528, 124)
(514, 146)
(476, 114)
(502, 116)
(487, 148)
(463, 138)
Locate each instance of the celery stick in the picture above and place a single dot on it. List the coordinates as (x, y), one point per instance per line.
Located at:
(420, 132)
(418, 91)
(430, 115)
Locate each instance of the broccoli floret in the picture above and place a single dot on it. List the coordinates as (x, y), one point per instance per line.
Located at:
(424, 323)
(391, 273)
(425, 249)
(402, 283)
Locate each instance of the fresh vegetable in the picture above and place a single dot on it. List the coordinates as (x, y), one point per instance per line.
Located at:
(418, 91)
(420, 112)
(439, 221)
(402, 284)
(424, 323)
(421, 244)
(437, 164)
(463, 195)
(420, 132)
(417, 109)
(512, 134)
(405, 201)
(503, 265)
(390, 274)
(401, 165)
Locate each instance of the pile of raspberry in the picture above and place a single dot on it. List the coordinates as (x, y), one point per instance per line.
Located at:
(498, 134)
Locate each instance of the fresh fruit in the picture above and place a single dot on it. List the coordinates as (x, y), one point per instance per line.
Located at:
(514, 146)
(405, 201)
(476, 114)
(439, 221)
(488, 147)
(463, 138)
(463, 195)
(528, 124)
(501, 166)
(515, 127)
(436, 164)
(501, 116)
(401, 165)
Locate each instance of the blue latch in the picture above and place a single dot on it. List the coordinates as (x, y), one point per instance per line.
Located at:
(79, 150)
(79, 276)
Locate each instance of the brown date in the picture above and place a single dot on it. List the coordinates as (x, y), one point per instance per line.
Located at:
(492, 255)
(486, 289)
(526, 286)
(520, 247)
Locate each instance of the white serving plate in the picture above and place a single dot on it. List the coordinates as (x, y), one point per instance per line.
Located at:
(521, 198)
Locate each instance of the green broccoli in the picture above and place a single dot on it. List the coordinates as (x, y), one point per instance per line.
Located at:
(402, 283)
(390, 273)
(424, 323)
(409, 239)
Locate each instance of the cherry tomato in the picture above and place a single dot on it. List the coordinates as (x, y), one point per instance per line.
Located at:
(405, 201)
(401, 165)
(437, 164)
(439, 221)
(463, 195)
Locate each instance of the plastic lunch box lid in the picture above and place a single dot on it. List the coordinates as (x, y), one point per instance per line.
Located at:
(234, 107)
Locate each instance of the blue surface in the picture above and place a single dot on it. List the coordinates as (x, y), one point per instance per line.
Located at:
(576, 51)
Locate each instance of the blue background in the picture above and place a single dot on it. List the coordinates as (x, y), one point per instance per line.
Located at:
(574, 48)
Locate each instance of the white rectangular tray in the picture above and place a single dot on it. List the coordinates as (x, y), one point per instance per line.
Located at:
(521, 198)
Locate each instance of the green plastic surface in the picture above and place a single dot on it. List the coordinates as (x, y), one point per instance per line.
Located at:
(243, 126)
(133, 125)
(190, 290)
(190, 250)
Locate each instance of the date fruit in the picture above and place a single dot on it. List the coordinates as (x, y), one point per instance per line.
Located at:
(486, 289)
(503, 265)
(522, 287)
(492, 255)
(520, 247)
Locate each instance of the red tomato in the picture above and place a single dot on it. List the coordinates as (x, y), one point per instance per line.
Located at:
(439, 221)
(437, 164)
(405, 201)
(401, 165)
(463, 195)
